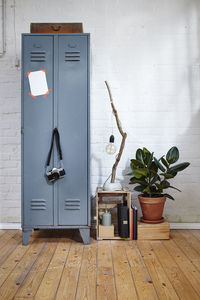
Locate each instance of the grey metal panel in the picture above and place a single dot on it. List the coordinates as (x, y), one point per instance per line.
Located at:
(72, 124)
(37, 127)
(66, 203)
(88, 128)
(55, 121)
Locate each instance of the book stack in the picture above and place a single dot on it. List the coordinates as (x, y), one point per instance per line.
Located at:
(133, 225)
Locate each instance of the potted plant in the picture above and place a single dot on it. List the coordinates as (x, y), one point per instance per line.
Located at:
(152, 177)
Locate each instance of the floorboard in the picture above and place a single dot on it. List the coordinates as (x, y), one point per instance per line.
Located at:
(14, 280)
(192, 240)
(143, 281)
(184, 263)
(68, 284)
(56, 265)
(164, 288)
(5, 237)
(49, 284)
(34, 278)
(195, 232)
(125, 286)
(87, 278)
(185, 244)
(177, 278)
(9, 247)
(105, 274)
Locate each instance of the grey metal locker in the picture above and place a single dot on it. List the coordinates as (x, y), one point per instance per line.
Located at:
(65, 203)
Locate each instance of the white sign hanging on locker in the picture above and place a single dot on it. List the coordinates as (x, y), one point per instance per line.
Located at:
(38, 83)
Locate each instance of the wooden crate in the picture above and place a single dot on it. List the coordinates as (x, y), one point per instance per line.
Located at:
(106, 232)
(153, 231)
(102, 203)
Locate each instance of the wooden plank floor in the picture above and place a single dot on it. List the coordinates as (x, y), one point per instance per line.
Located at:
(56, 265)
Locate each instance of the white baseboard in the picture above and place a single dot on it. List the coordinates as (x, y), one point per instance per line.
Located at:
(184, 225)
(172, 226)
(10, 226)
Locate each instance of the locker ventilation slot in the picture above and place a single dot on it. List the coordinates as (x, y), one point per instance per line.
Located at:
(72, 204)
(72, 56)
(38, 204)
(38, 56)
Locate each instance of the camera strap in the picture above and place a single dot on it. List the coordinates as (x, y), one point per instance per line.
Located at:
(56, 135)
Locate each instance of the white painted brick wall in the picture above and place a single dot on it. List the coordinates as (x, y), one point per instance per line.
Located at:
(149, 53)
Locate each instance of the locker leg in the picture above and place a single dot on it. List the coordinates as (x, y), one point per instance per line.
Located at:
(25, 236)
(85, 234)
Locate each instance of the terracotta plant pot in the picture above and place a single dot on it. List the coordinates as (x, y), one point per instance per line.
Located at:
(152, 209)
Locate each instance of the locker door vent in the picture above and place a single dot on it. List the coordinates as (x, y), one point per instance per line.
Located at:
(72, 56)
(38, 56)
(38, 204)
(72, 204)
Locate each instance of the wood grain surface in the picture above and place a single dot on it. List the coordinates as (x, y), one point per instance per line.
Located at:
(56, 265)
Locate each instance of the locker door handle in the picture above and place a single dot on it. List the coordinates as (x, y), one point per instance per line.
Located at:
(56, 28)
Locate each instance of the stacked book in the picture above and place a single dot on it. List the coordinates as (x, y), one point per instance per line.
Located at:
(133, 221)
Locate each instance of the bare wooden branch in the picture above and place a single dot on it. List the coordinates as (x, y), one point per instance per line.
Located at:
(123, 134)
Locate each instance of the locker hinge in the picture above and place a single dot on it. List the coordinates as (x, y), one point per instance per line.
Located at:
(22, 130)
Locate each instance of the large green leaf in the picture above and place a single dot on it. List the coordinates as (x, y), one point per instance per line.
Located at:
(139, 188)
(150, 160)
(159, 187)
(134, 180)
(147, 190)
(135, 164)
(152, 174)
(154, 179)
(139, 155)
(164, 162)
(160, 158)
(145, 150)
(171, 173)
(179, 167)
(172, 155)
(138, 173)
(159, 165)
(168, 196)
(165, 184)
(167, 176)
(146, 155)
(153, 167)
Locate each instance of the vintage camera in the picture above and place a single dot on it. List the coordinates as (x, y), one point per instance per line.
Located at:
(55, 174)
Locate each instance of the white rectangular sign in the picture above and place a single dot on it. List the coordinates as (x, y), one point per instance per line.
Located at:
(38, 83)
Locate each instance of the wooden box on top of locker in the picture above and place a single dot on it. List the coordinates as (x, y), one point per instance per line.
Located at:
(64, 58)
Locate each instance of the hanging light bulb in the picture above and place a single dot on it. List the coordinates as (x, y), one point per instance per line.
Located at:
(111, 148)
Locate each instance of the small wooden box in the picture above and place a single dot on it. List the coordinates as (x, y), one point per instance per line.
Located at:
(106, 231)
(153, 231)
(56, 28)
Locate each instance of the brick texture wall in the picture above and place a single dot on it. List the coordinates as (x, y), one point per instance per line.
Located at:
(149, 52)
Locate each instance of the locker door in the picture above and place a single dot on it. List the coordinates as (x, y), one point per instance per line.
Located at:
(37, 124)
(72, 124)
